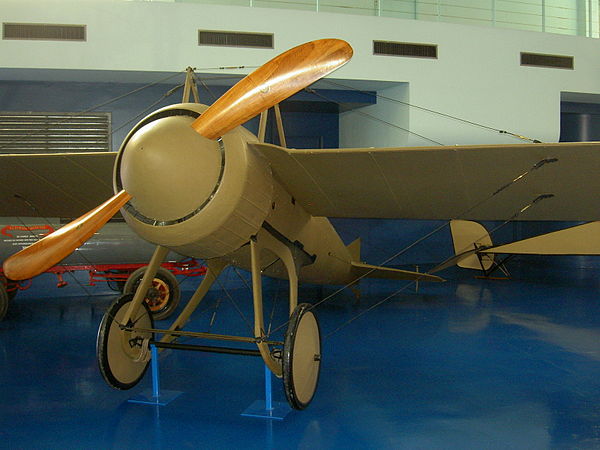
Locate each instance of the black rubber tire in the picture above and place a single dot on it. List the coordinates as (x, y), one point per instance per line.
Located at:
(119, 368)
(163, 297)
(116, 285)
(6, 283)
(303, 344)
(4, 300)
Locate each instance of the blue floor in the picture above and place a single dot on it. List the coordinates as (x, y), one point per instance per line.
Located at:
(465, 364)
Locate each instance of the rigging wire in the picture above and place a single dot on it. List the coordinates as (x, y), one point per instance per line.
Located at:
(97, 106)
(433, 111)
(515, 180)
(371, 116)
(37, 238)
(241, 314)
(115, 130)
(536, 166)
(145, 110)
(46, 219)
(110, 101)
(205, 86)
(411, 283)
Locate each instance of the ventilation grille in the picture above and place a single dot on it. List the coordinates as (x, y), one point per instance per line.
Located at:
(541, 60)
(405, 49)
(235, 39)
(43, 31)
(54, 132)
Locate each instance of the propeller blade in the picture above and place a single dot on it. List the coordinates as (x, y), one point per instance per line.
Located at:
(50, 250)
(271, 83)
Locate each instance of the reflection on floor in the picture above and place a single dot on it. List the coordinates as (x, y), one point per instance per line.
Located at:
(464, 364)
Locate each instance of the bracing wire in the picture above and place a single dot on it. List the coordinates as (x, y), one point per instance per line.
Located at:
(411, 283)
(515, 180)
(93, 108)
(132, 92)
(372, 117)
(100, 105)
(433, 111)
(375, 118)
(47, 221)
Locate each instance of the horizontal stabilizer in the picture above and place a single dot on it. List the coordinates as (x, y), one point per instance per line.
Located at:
(369, 271)
(578, 240)
(459, 260)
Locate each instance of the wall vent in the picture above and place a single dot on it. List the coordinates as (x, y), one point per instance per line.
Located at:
(26, 132)
(43, 31)
(542, 60)
(235, 39)
(405, 49)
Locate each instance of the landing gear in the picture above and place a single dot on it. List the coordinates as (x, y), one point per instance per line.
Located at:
(162, 297)
(123, 355)
(4, 299)
(9, 286)
(127, 328)
(301, 357)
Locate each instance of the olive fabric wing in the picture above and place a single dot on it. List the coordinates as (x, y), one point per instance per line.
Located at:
(444, 182)
(62, 185)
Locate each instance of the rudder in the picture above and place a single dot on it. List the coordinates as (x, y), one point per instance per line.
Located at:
(467, 236)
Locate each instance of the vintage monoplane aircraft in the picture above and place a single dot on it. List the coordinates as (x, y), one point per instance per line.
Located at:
(263, 207)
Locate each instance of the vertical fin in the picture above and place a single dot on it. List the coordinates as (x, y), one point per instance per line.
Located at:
(467, 236)
(354, 250)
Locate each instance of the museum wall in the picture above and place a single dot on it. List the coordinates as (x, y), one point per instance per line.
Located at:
(477, 75)
(308, 124)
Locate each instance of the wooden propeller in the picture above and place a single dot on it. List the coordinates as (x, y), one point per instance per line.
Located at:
(268, 85)
(271, 83)
(50, 250)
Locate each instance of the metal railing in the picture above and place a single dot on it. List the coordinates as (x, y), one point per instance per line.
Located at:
(571, 17)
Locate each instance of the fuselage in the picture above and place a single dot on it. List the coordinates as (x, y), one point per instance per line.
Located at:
(206, 199)
(115, 243)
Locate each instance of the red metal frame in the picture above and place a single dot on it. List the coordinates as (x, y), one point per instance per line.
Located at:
(113, 272)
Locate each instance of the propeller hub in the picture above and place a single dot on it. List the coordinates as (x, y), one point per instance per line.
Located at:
(198, 197)
(170, 170)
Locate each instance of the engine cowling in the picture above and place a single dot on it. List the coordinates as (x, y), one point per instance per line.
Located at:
(196, 196)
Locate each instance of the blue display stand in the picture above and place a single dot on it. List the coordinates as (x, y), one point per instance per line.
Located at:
(155, 396)
(267, 408)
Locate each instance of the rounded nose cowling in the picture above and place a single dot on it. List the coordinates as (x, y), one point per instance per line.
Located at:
(197, 196)
(169, 169)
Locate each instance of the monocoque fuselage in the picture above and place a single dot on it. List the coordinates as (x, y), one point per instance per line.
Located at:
(207, 198)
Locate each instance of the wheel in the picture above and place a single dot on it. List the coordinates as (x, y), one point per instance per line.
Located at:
(123, 355)
(163, 297)
(9, 284)
(4, 298)
(301, 357)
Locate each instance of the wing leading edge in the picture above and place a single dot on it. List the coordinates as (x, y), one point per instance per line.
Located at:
(55, 184)
(443, 182)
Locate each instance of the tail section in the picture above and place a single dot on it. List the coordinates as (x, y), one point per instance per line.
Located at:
(369, 271)
(360, 269)
(468, 237)
(354, 249)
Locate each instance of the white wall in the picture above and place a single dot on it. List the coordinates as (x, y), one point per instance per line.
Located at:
(477, 75)
(370, 126)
